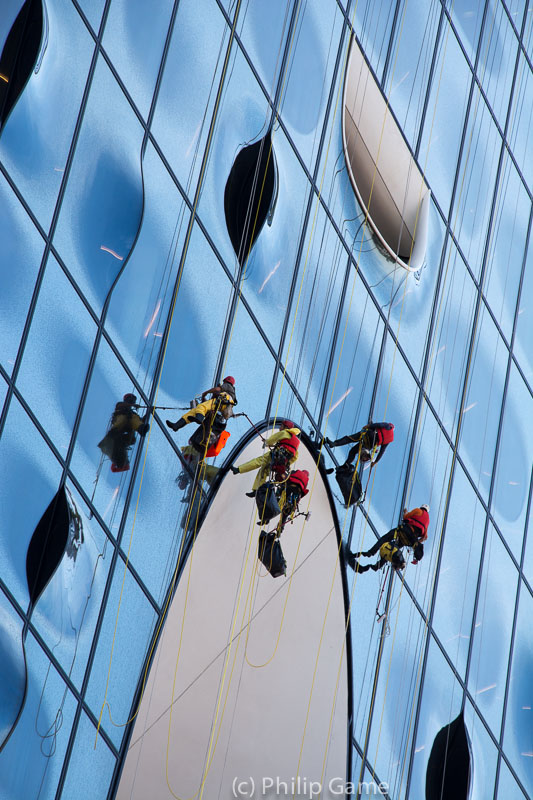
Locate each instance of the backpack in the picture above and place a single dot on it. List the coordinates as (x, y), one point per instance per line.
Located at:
(267, 504)
(349, 483)
(279, 461)
(270, 554)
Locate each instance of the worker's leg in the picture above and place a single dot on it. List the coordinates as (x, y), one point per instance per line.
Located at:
(388, 537)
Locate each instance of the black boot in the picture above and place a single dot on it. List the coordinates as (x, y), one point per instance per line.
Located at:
(251, 494)
(175, 426)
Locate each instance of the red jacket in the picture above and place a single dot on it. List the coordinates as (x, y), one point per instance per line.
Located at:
(291, 444)
(384, 432)
(418, 520)
(300, 477)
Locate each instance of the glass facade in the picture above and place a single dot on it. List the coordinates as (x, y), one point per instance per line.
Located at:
(119, 275)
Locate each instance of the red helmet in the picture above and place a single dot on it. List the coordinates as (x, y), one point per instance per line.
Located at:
(229, 379)
(287, 423)
(130, 399)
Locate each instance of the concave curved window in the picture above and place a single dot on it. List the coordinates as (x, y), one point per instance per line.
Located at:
(448, 775)
(49, 542)
(19, 55)
(250, 194)
(385, 177)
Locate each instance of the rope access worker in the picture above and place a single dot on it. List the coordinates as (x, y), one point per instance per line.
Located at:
(227, 385)
(375, 434)
(411, 532)
(222, 402)
(389, 553)
(296, 489)
(125, 423)
(282, 453)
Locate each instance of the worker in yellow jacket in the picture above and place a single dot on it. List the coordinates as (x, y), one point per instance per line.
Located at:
(283, 451)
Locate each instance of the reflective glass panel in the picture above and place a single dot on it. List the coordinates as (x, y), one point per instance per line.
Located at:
(32, 760)
(134, 41)
(457, 579)
(524, 320)
(517, 737)
(190, 101)
(484, 756)
(507, 246)
(521, 113)
(513, 468)
(497, 59)
(140, 301)
(91, 764)
(122, 647)
(312, 56)
(481, 410)
(373, 24)
(25, 461)
(441, 703)
(468, 18)
(67, 611)
(449, 348)
(263, 30)
(477, 176)
(93, 10)
(36, 139)
(507, 785)
(20, 258)
(444, 119)
(108, 385)
(56, 356)
(102, 206)
(492, 630)
(406, 86)
(12, 667)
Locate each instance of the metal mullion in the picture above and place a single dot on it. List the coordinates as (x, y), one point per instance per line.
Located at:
(356, 746)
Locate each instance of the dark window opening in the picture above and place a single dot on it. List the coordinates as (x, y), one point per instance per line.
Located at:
(48, 544)
(19, 55)
(250, 194)
(448, 775)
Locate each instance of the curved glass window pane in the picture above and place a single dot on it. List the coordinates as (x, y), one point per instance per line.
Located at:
(32, 760)
(468, 18)
(67, 611)
(36, 139)
(140, 301)
(484, 756)
(20, 258)
(513, 469)
(134, 39)
(93, 10)
(454, 602)
(520, 119)
(497, 59)
(25, 460)
(12, 667)
(373, 24)
(89, 766)
(102, 205)
(130, 641)
(441, 703)
(190, 101)
(263, 31)
(507, 785)
(308, 73)
(406, 87)
(451, 339)
(524, 320)
(445, 115)
(108, 385)
(492, 630)
(56, 356)
(506, 253)
(477, 177)
(518, 722)
(481, 410)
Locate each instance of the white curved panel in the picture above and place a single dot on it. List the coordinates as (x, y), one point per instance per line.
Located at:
(251, 720)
